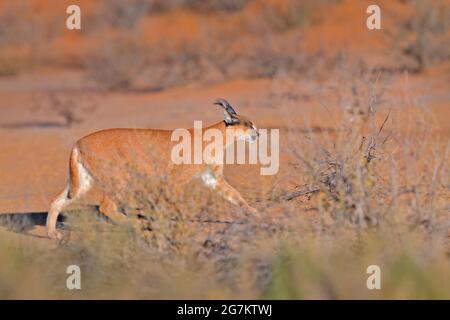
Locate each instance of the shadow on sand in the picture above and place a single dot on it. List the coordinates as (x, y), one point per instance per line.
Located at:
(24, 222)
(34, 124)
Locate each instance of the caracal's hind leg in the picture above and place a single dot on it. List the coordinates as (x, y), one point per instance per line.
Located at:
(80, 183)
(61, 202)
(110, 209)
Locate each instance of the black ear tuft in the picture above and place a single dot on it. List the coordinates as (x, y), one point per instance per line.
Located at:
(226, 106)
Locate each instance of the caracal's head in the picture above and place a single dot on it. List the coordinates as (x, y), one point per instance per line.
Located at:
(239, 126)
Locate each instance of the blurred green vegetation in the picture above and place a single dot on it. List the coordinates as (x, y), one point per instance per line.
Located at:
(116, 262)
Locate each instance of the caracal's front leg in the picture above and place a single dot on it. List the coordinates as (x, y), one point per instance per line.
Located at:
(232, 195)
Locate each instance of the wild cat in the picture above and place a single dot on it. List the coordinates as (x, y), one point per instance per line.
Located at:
(110, 153)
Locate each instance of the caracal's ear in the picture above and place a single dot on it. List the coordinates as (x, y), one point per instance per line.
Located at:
(229, 115)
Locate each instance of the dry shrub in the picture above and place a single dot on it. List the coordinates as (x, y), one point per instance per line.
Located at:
(183, 65)
(422, 38)
(363, 173)
(20, 25)
(288, 14)
(25, 35)
(431, 27)
(71, 110)
(220, 47)
(116, 61)
(272, 55)
(124, 14)
(169, 65)
(216, 5)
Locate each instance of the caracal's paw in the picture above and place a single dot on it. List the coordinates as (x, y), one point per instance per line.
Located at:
(54, 235)
(250, 210)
